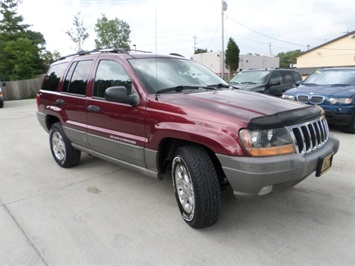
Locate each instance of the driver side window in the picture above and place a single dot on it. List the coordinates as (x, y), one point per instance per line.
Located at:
(109, 73)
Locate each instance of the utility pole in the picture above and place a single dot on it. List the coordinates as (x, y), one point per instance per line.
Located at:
(195, 43)
(224, 8)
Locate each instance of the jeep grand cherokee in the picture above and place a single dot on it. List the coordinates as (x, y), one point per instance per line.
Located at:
(149, 113)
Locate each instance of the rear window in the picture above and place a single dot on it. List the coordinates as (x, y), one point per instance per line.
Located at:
(54, 74)
(77, 77)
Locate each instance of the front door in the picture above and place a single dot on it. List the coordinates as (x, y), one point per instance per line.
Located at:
(115, 129)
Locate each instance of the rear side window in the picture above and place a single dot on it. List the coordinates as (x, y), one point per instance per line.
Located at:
(77, 77)
(53, 77)
(286, 77)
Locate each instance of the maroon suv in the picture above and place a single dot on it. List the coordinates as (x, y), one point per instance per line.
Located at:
(157, 114)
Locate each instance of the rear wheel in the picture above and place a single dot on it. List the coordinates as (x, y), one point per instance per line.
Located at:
(196, 186)
(62, 150)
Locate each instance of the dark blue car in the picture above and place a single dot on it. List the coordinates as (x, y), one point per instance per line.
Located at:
(333, 89)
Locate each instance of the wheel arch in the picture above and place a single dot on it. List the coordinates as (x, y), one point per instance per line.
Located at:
(168, 146)
(51, 120)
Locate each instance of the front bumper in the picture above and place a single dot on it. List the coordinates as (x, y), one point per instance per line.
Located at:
(249, 175)
(340, 116)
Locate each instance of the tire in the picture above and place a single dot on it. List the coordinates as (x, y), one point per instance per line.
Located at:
(196, 186)
(351, 127)
(62, 150)
(1, 104)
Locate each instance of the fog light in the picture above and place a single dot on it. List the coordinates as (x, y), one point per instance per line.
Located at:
(265, 190)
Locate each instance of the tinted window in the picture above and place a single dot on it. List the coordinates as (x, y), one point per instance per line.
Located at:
(77, 77)
(286, 77)
(276, 77)
(53, 77)
(109, 74)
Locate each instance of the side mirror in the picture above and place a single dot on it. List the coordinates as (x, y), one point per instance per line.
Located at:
(298, 82)
(275, 83)
(120, 94)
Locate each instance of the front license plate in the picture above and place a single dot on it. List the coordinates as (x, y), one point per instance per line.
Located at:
(324, 163)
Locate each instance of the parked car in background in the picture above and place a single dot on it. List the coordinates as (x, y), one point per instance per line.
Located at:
(334, 90)
(1, 95)
(269, 81)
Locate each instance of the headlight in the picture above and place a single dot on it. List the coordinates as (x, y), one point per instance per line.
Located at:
(288, 97)
(268, 142)
(340, 101)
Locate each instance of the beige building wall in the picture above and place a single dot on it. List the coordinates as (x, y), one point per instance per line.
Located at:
(339, 52)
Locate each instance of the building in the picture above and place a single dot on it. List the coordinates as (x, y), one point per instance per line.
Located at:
(212, 60)
(335, 53)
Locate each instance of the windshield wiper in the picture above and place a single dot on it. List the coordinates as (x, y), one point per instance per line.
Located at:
(219, 85)
(180, 88)
(340, 85)
(248, 82)
(310, 84)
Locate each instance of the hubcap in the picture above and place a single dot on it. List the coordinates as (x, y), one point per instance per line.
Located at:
(58, 146)
(184, 188)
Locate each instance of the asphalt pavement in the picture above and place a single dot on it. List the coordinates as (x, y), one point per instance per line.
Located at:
(98, 213)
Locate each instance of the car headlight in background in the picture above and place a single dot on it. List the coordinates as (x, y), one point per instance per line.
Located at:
(288, 97)
(268, 142)
(340, 101)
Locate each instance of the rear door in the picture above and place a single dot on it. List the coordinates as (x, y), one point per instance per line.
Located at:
(115, 129)
(72, 101)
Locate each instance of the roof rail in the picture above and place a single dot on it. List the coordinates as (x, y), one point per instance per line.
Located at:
(97, 50)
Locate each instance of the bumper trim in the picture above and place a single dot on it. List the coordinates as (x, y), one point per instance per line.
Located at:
(248, 175)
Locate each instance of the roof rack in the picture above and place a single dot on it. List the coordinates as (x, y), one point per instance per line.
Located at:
(97, 50)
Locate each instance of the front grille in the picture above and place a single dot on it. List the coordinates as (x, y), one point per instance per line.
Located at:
(302, 98)
(316, 99)
(310, 99)
(310, 136)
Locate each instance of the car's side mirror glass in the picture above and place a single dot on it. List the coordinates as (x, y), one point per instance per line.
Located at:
(120, 94)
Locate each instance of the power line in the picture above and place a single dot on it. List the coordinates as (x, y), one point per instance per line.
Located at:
(297, 44)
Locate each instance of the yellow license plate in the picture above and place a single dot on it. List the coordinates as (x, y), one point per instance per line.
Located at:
(324, 163)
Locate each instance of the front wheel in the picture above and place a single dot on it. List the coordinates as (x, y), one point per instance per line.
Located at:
(351, 127)
(196, 186)
(62, 150)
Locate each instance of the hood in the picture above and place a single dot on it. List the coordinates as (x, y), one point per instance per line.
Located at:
(324, 90)
(227, 106)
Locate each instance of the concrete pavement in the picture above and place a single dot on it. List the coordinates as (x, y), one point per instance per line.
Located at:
(101, 214)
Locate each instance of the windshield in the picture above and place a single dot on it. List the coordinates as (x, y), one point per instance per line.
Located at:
(161, 73)
(251, 77)
(332, 77)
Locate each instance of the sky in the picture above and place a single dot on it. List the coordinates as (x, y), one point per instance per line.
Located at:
(264, 27)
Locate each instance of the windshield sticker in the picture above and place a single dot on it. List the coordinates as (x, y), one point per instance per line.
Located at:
(318, 72)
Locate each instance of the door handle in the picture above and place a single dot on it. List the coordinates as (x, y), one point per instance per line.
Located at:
(59, 101)
(93, 108)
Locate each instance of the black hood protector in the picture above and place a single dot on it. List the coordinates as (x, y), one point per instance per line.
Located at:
(287, 118)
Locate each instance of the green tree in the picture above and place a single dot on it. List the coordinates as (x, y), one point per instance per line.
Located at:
(112, 33)
(78, 34)
(288, 58)
(20, 48)
(232, 56)
(200, 51)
